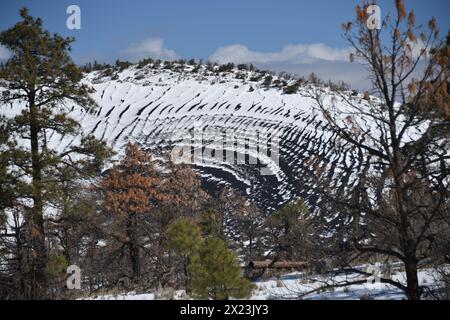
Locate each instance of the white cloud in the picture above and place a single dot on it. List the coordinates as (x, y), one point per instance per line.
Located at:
(4, 53)
(294, 54)
(150, 48)
(327, 62)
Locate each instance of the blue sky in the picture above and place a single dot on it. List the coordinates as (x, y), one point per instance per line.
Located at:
(234, 29)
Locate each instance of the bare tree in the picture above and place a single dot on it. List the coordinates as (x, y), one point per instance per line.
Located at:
(397, 199)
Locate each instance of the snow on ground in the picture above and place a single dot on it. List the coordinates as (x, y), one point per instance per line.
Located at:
(125, 296)
(291, 286)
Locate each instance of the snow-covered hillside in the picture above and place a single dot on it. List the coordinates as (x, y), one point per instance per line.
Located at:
(160, 107)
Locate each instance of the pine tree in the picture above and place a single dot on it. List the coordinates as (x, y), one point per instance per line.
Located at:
(185, 196)
(211, 270)
(131, 195)
(217, 274)
(41, 76)
(185, 240)
(6, 178)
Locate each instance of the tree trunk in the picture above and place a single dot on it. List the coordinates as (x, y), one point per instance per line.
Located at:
(135, 261)
(413, 289)
(36, 219)
(20, 264)
(134, 248)
(188, 283)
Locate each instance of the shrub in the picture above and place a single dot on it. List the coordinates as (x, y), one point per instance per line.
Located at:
(267, 81)
(226, 67)
(291, 89)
